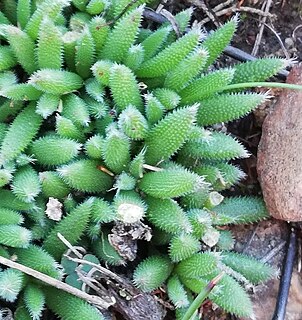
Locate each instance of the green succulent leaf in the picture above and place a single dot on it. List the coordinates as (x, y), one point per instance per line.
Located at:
(11, 283)
(168, 58)
(20, 133)
(122, 36)
(71, 227)
(227, 107)
(218, 146)
(50, 45)
(65, 304)
(170, 183)
(151, 273)
(124, 87)
(169, 134)
(160, 209)
(252, 269)
(177, 292)
(34, 300)
(183, 246)
(48, 150)
(38, 259)
(237, 210)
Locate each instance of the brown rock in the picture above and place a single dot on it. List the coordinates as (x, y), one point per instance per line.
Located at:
(280, 154)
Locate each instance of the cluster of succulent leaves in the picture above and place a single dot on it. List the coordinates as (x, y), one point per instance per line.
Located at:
(113, 120)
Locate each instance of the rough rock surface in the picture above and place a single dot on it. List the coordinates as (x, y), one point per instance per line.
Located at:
(280, 154)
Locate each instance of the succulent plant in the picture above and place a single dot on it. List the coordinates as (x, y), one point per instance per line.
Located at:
(114, 121)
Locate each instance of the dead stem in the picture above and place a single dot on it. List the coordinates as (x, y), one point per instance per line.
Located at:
(97, 301)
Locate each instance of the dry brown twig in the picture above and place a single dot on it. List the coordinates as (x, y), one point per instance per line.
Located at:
(229, 10)
(267, 6)
(95, 300)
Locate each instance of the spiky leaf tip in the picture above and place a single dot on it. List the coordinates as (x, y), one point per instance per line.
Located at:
(34, 300)
(71, 227)
(228, 107)
(49, 8)
(10, 201)
(94, 89)
(102, 211)
(201, 220)
(26, 185)
(219, 146)
(160, 209)
(177, 293)
(154, 110)
(168, 58)
(84, 175)
(151, 273)
(124, 182)
(47, 104)
(15, 236)
(134, 57)
(231, 175)
(167, 97)
(122, 36)
(259, 69)
(124, 87)
(169, 134)
(65, 128)
(183, 246)
(133, 123)
(136, 165)
(56, 81)
(219, 39)
(11, 283)
(116, 150)
(187, 70)
(240, 210)
(97, 110)
(170, 183)
(93, 147)
(226, 240)
(101, 71)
